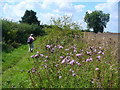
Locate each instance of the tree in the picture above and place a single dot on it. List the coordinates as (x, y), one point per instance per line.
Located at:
(97, 20)
(30, 18)
(65, 22)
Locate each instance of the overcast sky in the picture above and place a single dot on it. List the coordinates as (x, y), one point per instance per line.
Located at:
(45, 9)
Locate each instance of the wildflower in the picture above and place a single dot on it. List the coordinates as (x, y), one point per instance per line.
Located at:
(89, 53)
(45, 60)
(75, 51)
(63, 61)
(95, 51)
(92, 81)
(46, 56)
(78, 64)
(60, 47)
(74, 74)
(87, 60)
(48, 46)
(45, 66)
(96, 69)
(72, 62)
(32, 56)
(52, 50)
(103, 53)
(99, 52)
(37, 55)
(33, 70)
(98, 57)
(61, 57)
(77, 55)
(41, 55)
(70, 70)
(90, 59)
(60, 77)
(68, 60)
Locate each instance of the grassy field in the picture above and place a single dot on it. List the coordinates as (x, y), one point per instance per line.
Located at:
(63, 59)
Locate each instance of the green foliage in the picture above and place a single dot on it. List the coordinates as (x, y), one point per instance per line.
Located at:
(19, 66)
(15, 34)
(65, 22)
(96, 20)
(30, 18)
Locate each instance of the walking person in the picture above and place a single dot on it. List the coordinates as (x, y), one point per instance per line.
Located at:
(30, 42)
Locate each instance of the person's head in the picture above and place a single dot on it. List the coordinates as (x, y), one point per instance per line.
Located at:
(31, 34)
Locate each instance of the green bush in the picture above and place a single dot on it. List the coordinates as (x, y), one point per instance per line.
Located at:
(14, 34)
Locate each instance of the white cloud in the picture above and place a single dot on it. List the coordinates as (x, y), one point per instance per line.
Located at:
(45, 17)
(79, 8)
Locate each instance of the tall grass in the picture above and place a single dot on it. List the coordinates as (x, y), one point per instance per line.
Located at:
(61, 59)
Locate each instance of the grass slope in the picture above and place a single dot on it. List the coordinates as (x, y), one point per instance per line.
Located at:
(67, 59)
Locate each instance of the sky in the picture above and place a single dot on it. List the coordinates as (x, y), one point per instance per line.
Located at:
(14, 9)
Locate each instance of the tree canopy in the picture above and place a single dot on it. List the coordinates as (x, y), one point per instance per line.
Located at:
(30, 18)
(96, 20)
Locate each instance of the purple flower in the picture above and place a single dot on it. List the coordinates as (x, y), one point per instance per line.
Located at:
(46, 56)
(89, 53)
(63, 61)
(48, 46)
(90, 59)
(32, 56)
(92, 81)
(45, 66)
(52, 50)
(60, 47)
(41, 55)
(87, 60)
(78, 64)
(75, 51)
(74, 74)
(99, 52)
(45, 60)
(96, 69)
(72, 62)
(98, 57)
(103, 53)
(61, 57)
(95, 51)
(36, 56)
(78, 55)
(72, 71)
(60, 77)
(33, 70)
(68, 60)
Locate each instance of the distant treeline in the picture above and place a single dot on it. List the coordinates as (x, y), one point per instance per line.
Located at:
(14, 34)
